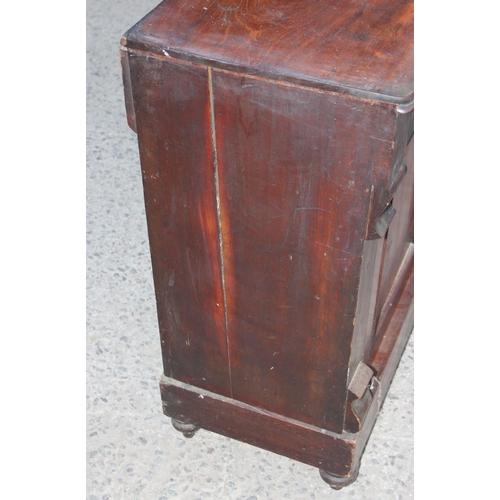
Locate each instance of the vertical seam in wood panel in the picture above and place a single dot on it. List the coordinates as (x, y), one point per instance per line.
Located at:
(219, 218)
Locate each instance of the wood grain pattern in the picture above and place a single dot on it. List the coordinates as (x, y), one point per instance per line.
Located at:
(295, 188)
(364, 49)
(172, 109)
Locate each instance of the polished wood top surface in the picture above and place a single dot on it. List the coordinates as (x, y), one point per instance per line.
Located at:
(362, 48)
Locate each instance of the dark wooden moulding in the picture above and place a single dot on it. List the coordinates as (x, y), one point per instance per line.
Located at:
(276, 145)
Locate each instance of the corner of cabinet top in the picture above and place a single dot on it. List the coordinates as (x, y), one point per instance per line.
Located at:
(363, 49)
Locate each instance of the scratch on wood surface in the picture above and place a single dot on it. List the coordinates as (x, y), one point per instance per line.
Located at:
(313, 208)
(277, 208)
(324, 245)
(383, 140)
(335, 249)
(285, 240)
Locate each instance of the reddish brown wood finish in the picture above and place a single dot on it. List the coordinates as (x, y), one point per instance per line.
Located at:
(278, 182)
(172, 108)
(293, 226)
(362, 49)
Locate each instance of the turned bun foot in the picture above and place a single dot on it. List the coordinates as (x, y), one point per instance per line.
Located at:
(338, 482)
(189, 430)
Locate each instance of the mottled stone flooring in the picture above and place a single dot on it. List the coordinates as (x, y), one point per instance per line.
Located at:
(133, 452)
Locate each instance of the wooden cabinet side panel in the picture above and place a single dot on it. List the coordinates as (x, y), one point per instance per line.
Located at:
(172, 108)
(295, 173)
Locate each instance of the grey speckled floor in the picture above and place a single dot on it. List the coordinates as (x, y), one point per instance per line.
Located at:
(133, 452)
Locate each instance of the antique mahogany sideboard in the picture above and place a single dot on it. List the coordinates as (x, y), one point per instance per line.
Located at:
(276, 145)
